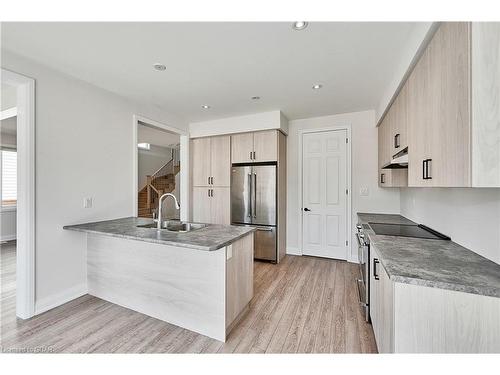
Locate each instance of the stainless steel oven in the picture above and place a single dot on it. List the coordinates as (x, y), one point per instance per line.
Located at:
(363, 283)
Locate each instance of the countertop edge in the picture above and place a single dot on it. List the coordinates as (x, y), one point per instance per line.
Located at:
(158, 242)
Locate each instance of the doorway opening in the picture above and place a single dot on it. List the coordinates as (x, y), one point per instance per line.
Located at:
(325, 217)
(159, 168)
(17, 193)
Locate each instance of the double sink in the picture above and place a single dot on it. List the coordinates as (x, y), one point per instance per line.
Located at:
(175, 226)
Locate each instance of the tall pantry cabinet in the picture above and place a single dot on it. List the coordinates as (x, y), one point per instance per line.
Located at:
(211, 176)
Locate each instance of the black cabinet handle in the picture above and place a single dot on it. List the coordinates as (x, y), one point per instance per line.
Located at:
(375, 274)
(250, 155)
(427, 174)
(382, 178)
(397, 142)
(425, 169)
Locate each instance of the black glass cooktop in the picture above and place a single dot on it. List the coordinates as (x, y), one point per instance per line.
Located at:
(405, 230)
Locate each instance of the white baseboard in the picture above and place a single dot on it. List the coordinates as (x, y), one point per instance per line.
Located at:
(59, 299)
(293, 251)
(8, 238)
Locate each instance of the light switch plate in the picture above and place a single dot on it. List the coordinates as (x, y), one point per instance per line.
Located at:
(87, 202)
(364, 191)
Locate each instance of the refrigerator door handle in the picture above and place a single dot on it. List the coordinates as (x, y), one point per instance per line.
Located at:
(249, 195)
(264, 229)
(254, 208)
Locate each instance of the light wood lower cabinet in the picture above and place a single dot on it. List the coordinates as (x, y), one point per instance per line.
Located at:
(212, 205)
(410, 318)
(381, 305)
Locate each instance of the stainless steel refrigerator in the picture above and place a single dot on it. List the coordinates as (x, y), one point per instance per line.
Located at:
(253, 203)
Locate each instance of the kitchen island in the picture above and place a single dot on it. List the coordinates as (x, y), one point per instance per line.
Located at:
(201, 280)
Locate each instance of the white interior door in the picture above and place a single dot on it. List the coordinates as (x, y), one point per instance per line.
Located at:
(324, 196)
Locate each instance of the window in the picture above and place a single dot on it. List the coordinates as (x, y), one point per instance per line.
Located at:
(9, 178)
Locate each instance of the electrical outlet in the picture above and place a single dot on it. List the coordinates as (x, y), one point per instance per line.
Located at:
(87, 202)
(364, 192)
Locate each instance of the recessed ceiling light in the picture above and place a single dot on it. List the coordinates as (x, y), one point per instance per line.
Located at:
(317, 86)
(159, 67)
(299, 25)
(255, 97)
(205, 106)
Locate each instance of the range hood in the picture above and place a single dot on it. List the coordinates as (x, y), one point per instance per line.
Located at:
(399, 160)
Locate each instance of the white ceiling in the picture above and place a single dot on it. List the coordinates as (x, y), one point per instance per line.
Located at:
(154, 136)
(224, 64)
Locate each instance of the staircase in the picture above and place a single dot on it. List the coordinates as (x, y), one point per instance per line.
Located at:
(159, 183)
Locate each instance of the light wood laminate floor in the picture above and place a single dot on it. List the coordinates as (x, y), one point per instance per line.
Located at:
(304, 305)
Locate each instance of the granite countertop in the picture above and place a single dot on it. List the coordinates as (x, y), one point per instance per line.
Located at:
(432, 263)
(212, 237)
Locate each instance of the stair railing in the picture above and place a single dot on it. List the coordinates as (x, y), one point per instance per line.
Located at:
(166, 169)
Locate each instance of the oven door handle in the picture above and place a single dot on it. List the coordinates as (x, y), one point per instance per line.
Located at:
(362, 303)
(359, 236)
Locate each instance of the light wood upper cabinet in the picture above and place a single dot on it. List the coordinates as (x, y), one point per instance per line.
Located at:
(200, 155)
(398, 136)
(388, 177)
(438, 111)
(419, 122)
(220, 157)
(486, 104)
(451, 109)
(211, 161)
(242, 148)
(254, 147)
(265, 146)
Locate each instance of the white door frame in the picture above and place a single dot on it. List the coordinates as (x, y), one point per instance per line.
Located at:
(301, 132)
(184, 160)
(25, 221)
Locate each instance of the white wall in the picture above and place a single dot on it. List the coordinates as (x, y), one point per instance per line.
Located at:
(364, 143)
(470, 216)
(84, 148)
(240, 124)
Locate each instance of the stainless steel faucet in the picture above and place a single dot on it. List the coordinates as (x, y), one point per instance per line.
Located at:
(160, 203)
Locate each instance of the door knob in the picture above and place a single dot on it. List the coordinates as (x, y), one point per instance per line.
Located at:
(307, 209)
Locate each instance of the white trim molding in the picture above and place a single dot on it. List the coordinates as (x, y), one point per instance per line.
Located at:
(301, 132)
(25, 247)
(184, 160)
(293, 251)
(48, 303)
(8, 113)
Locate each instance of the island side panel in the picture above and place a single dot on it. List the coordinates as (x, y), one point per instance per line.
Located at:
(239, 279)
(182, 286)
